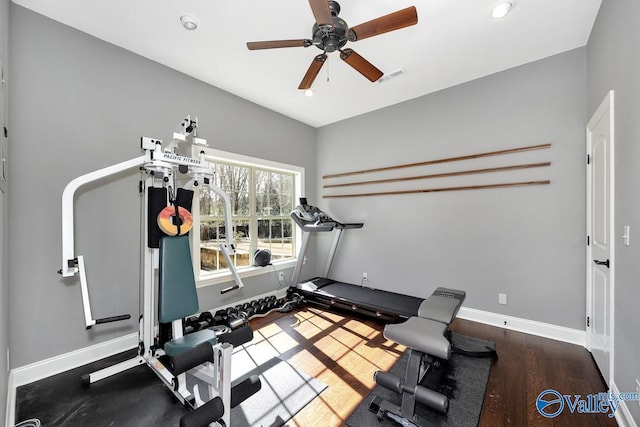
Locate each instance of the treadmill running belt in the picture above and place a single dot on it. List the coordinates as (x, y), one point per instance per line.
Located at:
(374, 299)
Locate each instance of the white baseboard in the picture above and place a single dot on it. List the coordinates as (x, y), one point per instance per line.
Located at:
(57, 364)
(546, 330)
(10, 413)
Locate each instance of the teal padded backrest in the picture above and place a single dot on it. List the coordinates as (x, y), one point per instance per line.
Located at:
(177, 296)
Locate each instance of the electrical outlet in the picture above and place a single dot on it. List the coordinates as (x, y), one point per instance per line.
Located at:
(365, 276)
(502, 299)
(281, 276)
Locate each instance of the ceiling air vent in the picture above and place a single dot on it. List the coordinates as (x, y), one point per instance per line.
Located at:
(392, 75)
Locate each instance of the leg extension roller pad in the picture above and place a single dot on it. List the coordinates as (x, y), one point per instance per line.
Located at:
(427, 397)
(242, 391)
(240, 336)
(208, 413)
(190, 359)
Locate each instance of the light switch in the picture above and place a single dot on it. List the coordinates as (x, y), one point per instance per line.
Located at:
(625, 236)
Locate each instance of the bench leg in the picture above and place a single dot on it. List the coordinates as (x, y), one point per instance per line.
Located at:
(411, 379)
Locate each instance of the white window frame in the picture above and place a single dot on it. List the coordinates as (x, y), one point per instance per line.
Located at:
(213, 155)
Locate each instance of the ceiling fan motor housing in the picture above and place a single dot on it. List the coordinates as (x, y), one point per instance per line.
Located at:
(333, 39)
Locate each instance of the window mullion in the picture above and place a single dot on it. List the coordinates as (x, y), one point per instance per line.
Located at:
(253, 221)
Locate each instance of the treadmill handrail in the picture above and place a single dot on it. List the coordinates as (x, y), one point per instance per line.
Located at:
(351, 225)
(313, 226)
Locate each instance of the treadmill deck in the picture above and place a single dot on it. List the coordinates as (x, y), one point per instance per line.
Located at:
(375, 302)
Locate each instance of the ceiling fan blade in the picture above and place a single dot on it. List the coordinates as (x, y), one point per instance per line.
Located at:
(321, 12)
(313, 71)
(273, 44)
(393, 21)
(360, 64)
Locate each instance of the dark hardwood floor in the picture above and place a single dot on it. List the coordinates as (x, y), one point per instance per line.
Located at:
(343, 352)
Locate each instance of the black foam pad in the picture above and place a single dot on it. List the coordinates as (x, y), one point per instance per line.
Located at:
(244, 390)
(190, 359)
(184, 198)
(238, 337)
(208, 413)
(156, 202)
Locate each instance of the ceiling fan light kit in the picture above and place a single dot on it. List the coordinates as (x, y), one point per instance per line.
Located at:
(331, 33)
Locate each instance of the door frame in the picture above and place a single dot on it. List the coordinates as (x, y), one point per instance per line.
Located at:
(606, 107)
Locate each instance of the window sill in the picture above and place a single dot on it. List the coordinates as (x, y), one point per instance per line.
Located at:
(226, 277)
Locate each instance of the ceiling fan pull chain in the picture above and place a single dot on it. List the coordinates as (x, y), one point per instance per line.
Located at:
(327, 70)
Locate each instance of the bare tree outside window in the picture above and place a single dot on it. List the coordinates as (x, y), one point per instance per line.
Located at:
(261, 201)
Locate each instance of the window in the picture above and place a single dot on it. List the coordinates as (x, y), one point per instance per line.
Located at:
(262, 194)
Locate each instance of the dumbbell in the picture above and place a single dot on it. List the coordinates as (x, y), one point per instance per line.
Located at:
(205, 320)
(271, 301)
(190, 324)
(250, 311)
(220, 318)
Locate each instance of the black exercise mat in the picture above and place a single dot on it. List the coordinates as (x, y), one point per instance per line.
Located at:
(137, 397)
(462, 379)
(134, 398)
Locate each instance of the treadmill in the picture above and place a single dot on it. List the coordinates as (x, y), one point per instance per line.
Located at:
(334, 295)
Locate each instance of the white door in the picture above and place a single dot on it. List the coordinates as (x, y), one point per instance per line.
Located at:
(600, 229)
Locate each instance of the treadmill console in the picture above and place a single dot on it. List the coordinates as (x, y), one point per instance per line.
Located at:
(310, 218)
(310, 213)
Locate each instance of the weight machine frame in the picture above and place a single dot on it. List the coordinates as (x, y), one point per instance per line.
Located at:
(158, 167)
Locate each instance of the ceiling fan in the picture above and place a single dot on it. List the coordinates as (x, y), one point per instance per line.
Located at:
(331, 33)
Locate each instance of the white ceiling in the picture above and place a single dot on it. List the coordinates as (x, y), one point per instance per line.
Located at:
(454, 41)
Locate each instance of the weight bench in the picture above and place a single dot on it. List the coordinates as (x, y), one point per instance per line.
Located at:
(428, 339)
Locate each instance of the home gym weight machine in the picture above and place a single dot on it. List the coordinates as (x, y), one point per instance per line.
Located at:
(210, 361)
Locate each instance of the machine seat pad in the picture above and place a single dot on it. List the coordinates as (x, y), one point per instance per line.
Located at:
(189, 341)
(425, 335)
(442, 306)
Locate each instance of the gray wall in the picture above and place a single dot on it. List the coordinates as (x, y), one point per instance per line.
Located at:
(527, 242)
(79, 104)
(614, 63)
(4, 277)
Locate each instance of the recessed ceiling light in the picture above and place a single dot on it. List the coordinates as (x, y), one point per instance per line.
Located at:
(501, 9)
(308, 92)
(189, 22)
